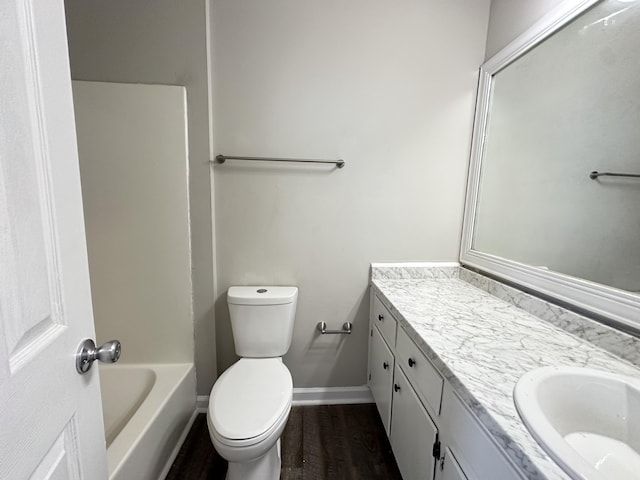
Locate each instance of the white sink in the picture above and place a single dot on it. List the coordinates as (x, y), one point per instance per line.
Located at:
(587, 420)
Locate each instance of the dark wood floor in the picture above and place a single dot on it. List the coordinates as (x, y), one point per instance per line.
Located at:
(328, 442)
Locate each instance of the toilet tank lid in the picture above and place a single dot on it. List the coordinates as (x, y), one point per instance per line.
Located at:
(261, 295)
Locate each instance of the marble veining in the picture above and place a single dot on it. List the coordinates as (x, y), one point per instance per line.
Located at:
(482, 344)
(415, 270)
(614, 341)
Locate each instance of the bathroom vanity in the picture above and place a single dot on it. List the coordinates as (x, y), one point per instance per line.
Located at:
(446, 348)
(448, 345)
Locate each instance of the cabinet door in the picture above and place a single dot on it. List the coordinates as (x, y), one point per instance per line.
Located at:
(413, 433)
(450, 468)
(381, 365)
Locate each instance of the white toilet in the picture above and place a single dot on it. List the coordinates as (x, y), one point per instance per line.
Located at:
(250, 402)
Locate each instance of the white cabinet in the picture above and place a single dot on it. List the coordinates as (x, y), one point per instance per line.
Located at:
(381, 365)
(413, 433)
(409, 426)
(432, 433)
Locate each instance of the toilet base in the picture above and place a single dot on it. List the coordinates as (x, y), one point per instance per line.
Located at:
(266, 467)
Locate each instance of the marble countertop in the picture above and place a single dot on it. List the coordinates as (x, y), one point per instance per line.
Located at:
(482, 345)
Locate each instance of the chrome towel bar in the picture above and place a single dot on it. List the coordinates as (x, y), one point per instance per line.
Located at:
(346, 329)
(223, 158)
(593, 175)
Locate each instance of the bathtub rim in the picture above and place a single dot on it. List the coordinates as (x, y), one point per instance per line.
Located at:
(169, 378)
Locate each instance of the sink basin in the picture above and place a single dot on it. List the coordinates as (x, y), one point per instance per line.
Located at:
(587, 420)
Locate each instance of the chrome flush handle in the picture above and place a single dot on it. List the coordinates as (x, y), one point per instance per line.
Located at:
(108, 352)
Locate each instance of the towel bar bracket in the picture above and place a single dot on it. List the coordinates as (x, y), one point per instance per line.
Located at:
(346, 329)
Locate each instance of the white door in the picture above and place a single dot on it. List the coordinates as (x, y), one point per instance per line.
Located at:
(50, 416)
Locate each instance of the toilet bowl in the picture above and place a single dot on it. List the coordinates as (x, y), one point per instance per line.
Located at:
(250, 403)
(248, 410)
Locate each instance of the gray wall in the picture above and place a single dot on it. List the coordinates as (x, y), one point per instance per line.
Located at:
(163, 42)
(406, 149)
(388, 87)
(510, 18)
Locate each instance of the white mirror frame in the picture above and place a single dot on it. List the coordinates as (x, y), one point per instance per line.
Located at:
(611, 305)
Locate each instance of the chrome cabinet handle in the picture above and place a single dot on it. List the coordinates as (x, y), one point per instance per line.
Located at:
(87, 353)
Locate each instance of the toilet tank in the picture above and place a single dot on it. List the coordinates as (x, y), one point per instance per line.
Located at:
(262, 319)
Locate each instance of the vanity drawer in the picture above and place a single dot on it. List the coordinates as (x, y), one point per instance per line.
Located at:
(420, 372)
(381, 318)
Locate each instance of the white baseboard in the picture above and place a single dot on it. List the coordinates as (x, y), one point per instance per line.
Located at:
(202, 403)
(314, 396)
(331, 395)
(176, 449)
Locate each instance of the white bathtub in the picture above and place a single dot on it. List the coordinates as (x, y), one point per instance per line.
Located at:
(146, 410)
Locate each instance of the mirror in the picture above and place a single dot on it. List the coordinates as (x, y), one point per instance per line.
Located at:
(559, 103)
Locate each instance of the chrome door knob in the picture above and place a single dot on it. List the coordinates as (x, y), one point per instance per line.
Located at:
(108, 352)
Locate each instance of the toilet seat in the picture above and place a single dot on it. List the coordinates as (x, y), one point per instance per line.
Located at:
(276, 428)
(250, 400)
